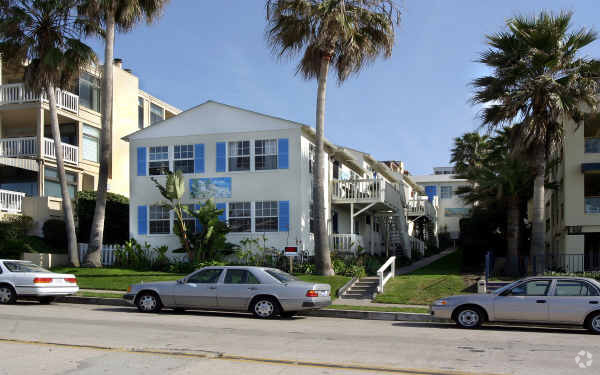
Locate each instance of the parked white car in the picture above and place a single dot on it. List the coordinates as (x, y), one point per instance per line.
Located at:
(19, 278)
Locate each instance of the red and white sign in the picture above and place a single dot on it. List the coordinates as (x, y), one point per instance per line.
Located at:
(290, 251)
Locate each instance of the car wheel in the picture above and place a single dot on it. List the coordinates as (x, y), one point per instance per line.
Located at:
(148, 302)
(593, 323)
(7, 295)
(288, 314)
(469, 317)
(265, 307)
(46, 300)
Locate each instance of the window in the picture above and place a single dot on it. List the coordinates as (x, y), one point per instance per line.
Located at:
(566, 288)
(160, 220)
(19, 267)
(281, 276)
(210, 276)
(184, 158)
(336, 170)
(91, 143)
(312, 152)
(311, 222)
(157, 113)
(239, 217)
(239, 156)
(265, 154)
(531, 288)
(592, 193)
(159, 160)
(240, 277)
(89, 91)
(267, 219)
(446, 192)
(52, 184)
(140, 113)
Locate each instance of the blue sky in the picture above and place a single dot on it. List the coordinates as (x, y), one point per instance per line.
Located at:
(409, 107)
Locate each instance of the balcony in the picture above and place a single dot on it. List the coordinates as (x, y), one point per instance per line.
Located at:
(345, 243)
(27, 147)
(11, 201)
(421, 207)
(17, 94)
(592, 205)
(592, 145)
(366, 191)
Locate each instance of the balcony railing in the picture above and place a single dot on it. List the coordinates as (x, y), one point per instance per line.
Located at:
(417, 245)
(592, 205)
(70, 152)
(421, 207)
(15, 147)
(346, 243)
(11, 201)
(592, 145)
(17, 94)
(366, 191)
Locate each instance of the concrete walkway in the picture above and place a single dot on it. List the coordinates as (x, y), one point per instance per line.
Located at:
(423, 262)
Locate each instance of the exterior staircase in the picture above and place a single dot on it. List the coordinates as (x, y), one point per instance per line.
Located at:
(399, 236)
(364, 288)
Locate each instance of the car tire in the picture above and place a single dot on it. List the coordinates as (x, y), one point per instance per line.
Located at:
(288, 314)
(46, 300)
(265, 307)
(148, 302)
(593, 323)
(8, 296)
(469, 317)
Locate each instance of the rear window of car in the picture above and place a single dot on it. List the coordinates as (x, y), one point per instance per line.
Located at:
(24, 267)
(281, 276)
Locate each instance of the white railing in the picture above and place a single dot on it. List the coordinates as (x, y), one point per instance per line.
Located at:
(347, 243)
(421, 207)
(366, 191)
(417, 245)
(11, 201)
(17, 94)
(14, 147)
(70, 152)
(383, 278)
(108, 253)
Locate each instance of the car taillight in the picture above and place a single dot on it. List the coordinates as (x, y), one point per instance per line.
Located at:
(129, 289)
(71, 280)
(42, 280)
(312, 293)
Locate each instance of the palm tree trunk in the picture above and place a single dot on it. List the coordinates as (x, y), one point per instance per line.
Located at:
(538, 230)
(93, 258)
(62, 178)
(512, 229)
(322, 255)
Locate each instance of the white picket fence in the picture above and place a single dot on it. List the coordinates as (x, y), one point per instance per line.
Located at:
(108, 253)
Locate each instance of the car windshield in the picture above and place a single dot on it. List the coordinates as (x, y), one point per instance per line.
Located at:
(24, 267)
(506, 287)
(281, 276)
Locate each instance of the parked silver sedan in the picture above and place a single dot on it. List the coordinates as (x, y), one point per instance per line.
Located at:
(550, 300)
(263, 291)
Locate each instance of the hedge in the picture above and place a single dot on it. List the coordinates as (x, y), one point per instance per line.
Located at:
(116, 222)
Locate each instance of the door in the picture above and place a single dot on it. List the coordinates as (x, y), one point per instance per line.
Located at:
(572, 301)
(198, 290)
(238, 287)
(526, 302)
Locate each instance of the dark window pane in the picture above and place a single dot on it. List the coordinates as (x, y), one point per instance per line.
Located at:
(141, 113)
(156, 113)
(157, 168)
(267, 224)
(159, 227)
(89, 91)
(185, 166)
(240, 225)
(266, 162)
(205, 277)
(239, 163)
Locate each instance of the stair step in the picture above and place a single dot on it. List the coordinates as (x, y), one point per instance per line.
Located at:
(369, 297)
(360, 289)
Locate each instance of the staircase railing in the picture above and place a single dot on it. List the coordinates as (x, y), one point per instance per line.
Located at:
(383, 278)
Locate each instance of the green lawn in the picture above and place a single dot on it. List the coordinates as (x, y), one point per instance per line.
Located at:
(440, 279)
(417, 310)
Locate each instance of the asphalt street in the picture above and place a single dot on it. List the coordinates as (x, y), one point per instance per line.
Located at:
(89, 339)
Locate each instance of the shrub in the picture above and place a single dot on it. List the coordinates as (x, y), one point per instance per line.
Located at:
(116, 222)
(15, 226)
(55, 233)
(444, 240)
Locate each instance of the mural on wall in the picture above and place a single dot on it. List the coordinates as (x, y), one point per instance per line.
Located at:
(457, 212)
(206, 188)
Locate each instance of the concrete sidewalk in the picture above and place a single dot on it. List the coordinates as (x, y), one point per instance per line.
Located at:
(424, 262)
(368, 303)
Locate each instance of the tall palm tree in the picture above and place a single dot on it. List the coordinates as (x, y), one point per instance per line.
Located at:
(103, 17)
(344, 34)
(539, 81)
(43, 34)
(469, 151)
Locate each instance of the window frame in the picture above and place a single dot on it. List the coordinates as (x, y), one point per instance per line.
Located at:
(89, 136)
(266, 217)
(141, 112)
(446, 196)
(238, 156)
(587, 284)
(508, 292)
(96, 86)
(242, 270)
(249, 217)
(265, 155)
(153, 113)
(52, 179)
(187, 279)
(162, 152)
(150, 220)
(186, 159)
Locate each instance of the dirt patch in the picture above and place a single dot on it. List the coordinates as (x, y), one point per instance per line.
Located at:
(470, 282)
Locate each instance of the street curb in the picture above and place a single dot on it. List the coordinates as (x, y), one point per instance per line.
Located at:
(344, 314)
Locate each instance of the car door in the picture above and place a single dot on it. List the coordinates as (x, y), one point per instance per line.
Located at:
(526, 302)
(572, 300)
(199, 289)
(238, 286)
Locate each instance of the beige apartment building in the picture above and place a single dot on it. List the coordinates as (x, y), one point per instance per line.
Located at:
(28, 175)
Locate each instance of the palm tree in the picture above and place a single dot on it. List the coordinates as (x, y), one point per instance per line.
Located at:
(469, 151)
(345, 34)
(103, 17)
(539, 81)
(44, 35)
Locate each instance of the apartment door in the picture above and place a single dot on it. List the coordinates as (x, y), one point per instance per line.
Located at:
(592, 251)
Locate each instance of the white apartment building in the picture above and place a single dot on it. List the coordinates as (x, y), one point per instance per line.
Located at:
(259, 170)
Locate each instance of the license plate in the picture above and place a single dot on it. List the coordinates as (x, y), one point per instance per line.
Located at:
(323, 293)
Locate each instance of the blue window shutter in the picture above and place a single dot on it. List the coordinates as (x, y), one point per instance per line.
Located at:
(284, 216)
(222, 206)
(199, 158)
(198, 225)
(431, 191)
(283, 158)
(142, 220)
(221, 157)
(141, 161)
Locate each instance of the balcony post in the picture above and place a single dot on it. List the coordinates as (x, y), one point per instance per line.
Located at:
(41, 178)
(40, 133)
(351, 218)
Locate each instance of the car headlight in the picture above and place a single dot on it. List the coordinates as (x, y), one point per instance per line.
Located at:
(441, 302)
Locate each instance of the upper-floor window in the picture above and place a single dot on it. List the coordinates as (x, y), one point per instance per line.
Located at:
(239, 156)
(52, 183)
(89, 91)
(265, 154)
(446, 192)
(160, 220)
(266, 216)
(140, 112)
(240, 219)
(159, 160)
(184, 158)
(91, 143)
(312, 152)
(157, 113)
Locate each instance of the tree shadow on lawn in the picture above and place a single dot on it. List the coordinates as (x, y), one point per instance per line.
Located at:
(571, 330)
(221, 314)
